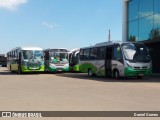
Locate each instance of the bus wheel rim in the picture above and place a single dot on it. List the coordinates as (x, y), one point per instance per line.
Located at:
(90, 73)
(116, 74)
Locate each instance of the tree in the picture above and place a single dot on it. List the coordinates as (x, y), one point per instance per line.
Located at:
(132, 38)
(154, 33)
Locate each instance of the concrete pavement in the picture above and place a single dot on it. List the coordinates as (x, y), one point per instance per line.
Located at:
(76, 92)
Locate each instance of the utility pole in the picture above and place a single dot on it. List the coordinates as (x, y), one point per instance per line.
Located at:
(109, 36)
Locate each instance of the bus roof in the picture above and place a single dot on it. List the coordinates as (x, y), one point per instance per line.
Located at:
(56, 49)
(31, 48)
(106, 44)
(73, 50)
(26, 48)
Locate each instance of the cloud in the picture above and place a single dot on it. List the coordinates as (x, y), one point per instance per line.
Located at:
(144, 14)
(156, 17)
(48, 25)
(11, 4)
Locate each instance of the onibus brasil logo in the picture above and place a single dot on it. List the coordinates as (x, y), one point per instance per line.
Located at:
(21, 114)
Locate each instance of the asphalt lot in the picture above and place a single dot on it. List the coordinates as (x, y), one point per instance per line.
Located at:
(77, 92)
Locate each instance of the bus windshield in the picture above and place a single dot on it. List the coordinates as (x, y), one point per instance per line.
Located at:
(135, 52)
(38, 54)
(32, 54)
(58, 56)
(74, 58)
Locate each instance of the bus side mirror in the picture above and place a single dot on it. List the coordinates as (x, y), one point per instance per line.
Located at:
(120, 60)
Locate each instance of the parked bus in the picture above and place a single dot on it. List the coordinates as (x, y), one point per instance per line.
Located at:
(56, 60)
(25, 59)
(116, 59)
(74, 60)
(3, 60)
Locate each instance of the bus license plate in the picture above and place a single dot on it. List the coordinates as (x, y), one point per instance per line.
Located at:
(59, 69)
(141, 74)
(34, 68)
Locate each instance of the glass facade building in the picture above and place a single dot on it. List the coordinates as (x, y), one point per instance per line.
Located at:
(143, 19)
(141, 23)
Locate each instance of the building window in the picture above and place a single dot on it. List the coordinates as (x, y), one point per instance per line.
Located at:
(133, 10)
(145, 27)
(155, 32)
(133, 31)
(156, 6)
(142, 22)
(156, 20)
(145, 8)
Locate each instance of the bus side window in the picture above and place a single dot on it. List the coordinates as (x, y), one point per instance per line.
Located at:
(93, 54)
(86, 54)
(101, 53)
(117, 53)
(81, 54)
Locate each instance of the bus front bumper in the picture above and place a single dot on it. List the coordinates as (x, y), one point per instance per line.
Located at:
(129, 72)
(26, 69)
(58, 69)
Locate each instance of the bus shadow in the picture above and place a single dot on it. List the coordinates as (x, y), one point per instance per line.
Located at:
(84, 76)
(7, 72)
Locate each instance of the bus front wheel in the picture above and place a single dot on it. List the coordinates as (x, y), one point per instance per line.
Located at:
(116, 74)
(90, 73)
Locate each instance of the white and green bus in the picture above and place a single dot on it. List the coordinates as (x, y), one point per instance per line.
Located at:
(74, 60)
(116, 59)
(25, 59)
(3, 60)
(56, 60)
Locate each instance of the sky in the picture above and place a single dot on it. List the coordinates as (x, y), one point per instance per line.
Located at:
(58, 23)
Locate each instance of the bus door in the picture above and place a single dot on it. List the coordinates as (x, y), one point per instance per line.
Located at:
(46, 60)
(118, 60)
(70, 58)
(108, 60)
(19, 59)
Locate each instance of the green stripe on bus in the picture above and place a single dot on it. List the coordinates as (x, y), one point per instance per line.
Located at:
(131, 72)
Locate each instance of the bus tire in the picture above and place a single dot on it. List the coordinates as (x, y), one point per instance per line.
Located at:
(90, 73)
(139, 77)
(116, 74)
(19, 70)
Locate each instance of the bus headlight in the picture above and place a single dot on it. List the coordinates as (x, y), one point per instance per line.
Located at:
(128, 64)
(52, 66)
(66, 65)
(150, 65)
